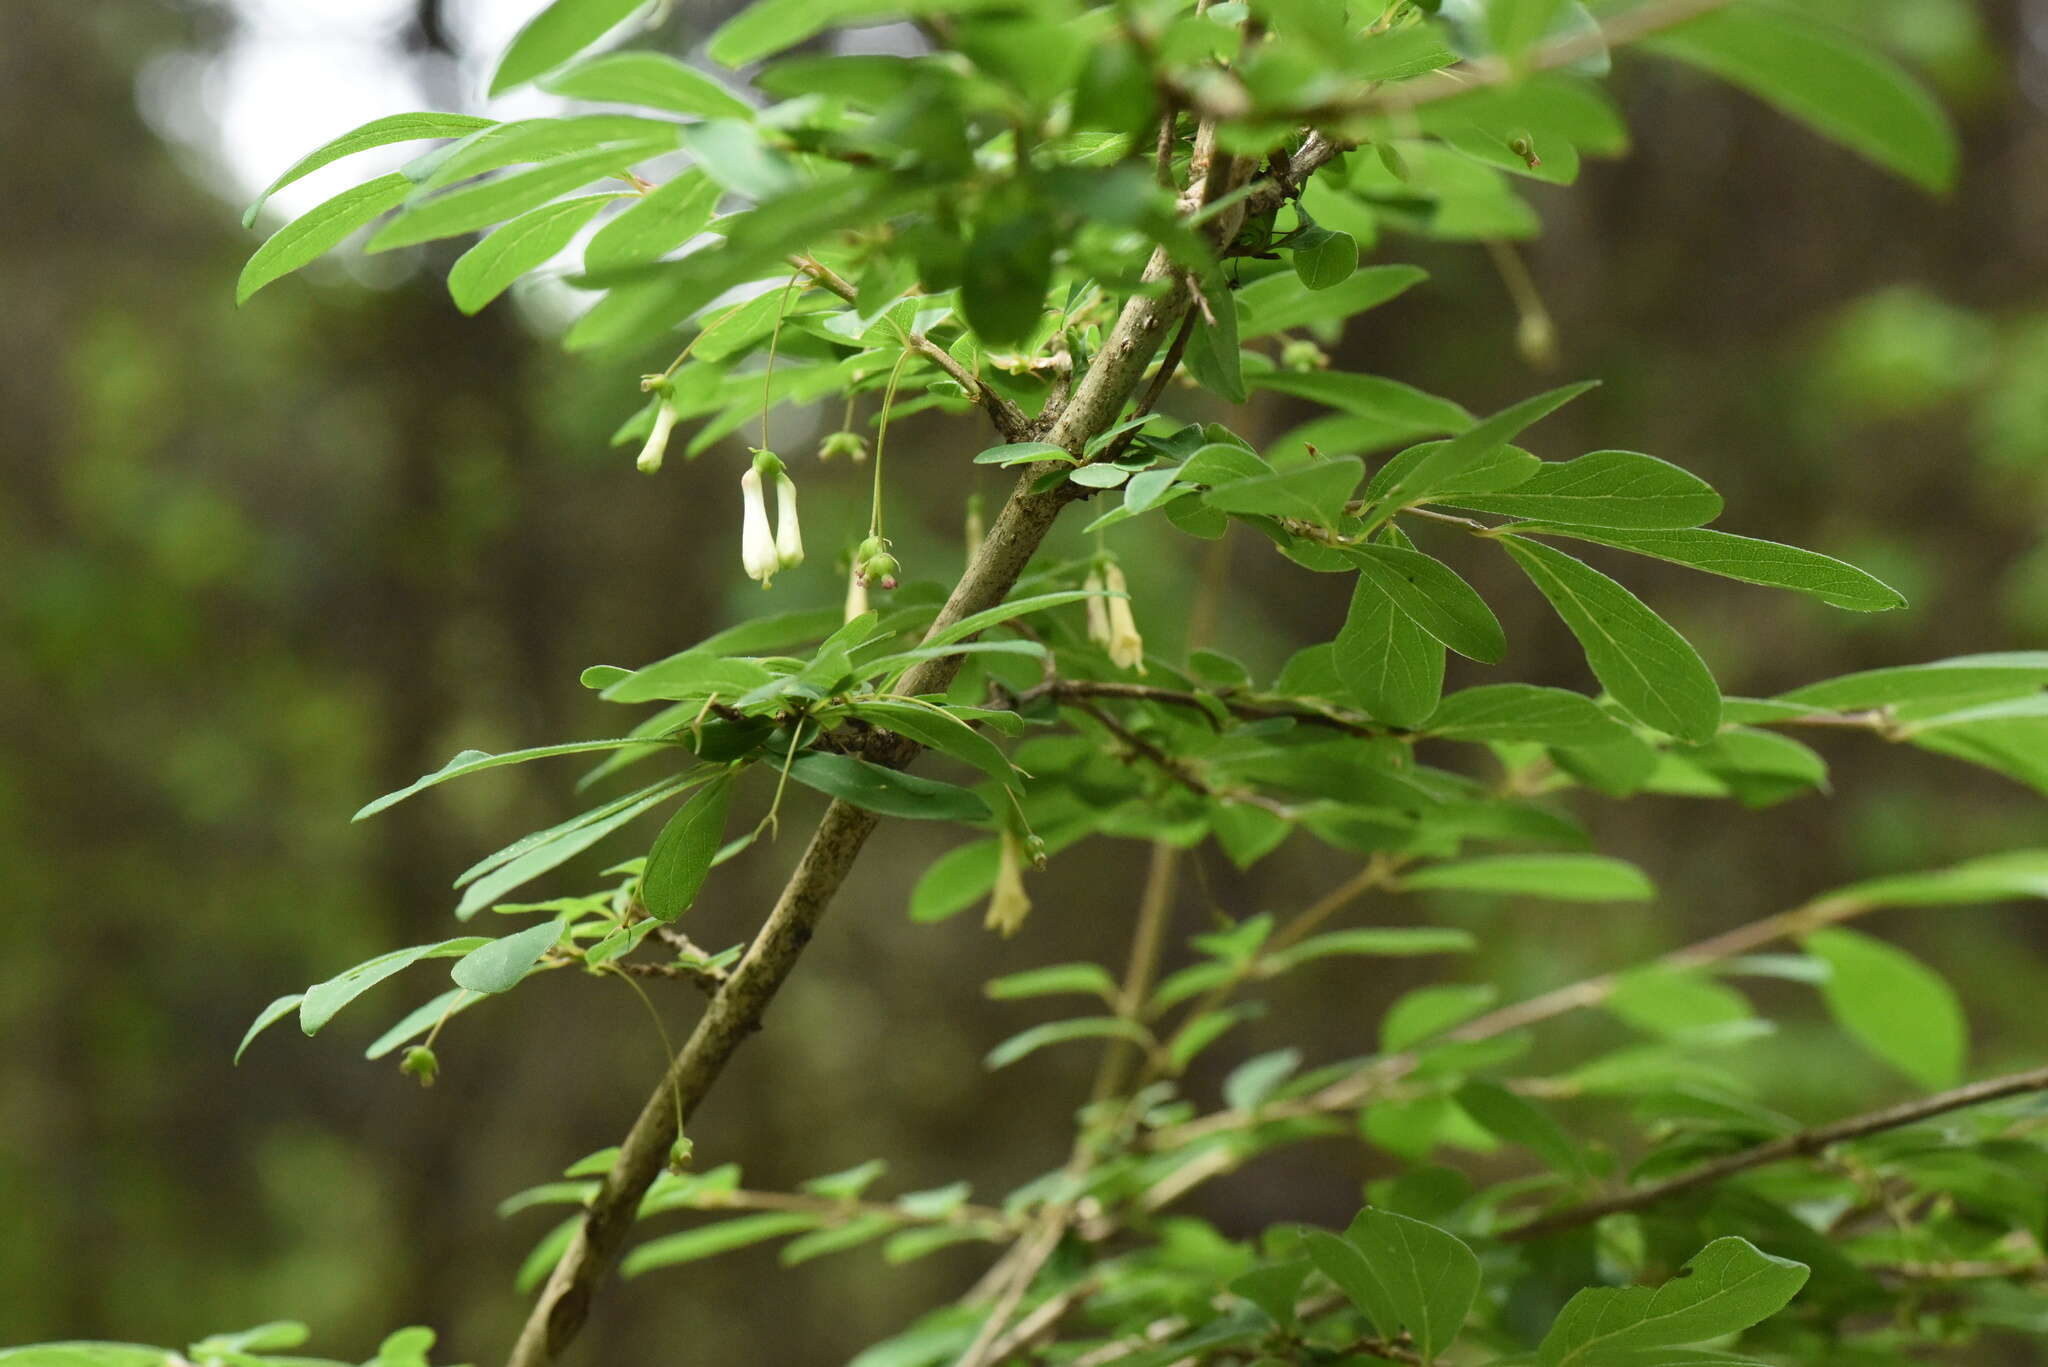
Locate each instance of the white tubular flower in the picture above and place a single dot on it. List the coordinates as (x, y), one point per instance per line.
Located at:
(1008, 904)
(856, 593)
(657, 439)
(1126, 646)
(757, 543)
(789, 538)
(1098, 609)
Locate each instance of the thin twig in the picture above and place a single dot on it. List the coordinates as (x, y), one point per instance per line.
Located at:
(1008, 418)
(1804, 1144)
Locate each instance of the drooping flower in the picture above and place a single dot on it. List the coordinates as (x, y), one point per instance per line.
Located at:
(1098, 609)
(1008, 903)
(1126, 646)
(757, 542)
(789, 538)
(657, 438)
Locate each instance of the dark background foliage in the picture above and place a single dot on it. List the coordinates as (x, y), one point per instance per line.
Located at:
(257, 566)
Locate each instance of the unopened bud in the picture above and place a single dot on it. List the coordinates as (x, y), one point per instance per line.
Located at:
(419, 1062)
(880, 570)
(852, 445)
(1303, 355)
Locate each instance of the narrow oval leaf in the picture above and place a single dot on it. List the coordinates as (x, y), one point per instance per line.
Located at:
(1391, 667)
(1604, 489)
(713, 1239)
(1900, 1008)
(682, 853)
(323, 1000)
(1645, 664)
(376, 133)
(267, 1017)
(498, 965)
(486, 270)
(319, 230)
(556, 34)
(654, 80)
(1560, 877)
(1431, 593)
(1827, 78)
(1523, 713)
(887, 791)
(474, 761)
(1059, 1032)
(666, 217)
(1835, 582)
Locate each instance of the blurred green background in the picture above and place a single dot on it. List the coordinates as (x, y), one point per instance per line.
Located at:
(257, 566)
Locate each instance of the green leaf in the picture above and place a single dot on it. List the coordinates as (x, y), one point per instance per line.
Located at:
(1825, 77)
(709, 1240)
(1378, 941)
(498, 965)
(267, 1017)
(663, 219)
(474, 761)
(318, 231)
(1023, 453)
(1009, 269)
(1368, 396)
(1248, 1085)
(653, 80)
(530, 856)
(1559, 877)
(861, 1229)
(421, 1019)
(1428, 1011)
(1897, 1006)
(1323, 258)
(484, 272)
(1523, 713)
(1282, 303)
(84, 1354)
(1967, 676)
(954, 881)
(1727, 1287)
(1212, 355)
(1389, 664)
(376, 133)
(1345, 1264)
(1604, 489)
(1515, 25)
(1059, 1032)
(1007, 611)
(323, 1000)
(1517, 1120)
(1432, 594)
(1084, 979)
(767, 27)
(682, 853)
(1448, 461)
(1315, 492)
(482, 203)
(1428, 1278)
(940, 731)
(1833, 581)
(1996, 878)
(887, 791)
(1647, 666)
(556, 34)
(1674, 1002)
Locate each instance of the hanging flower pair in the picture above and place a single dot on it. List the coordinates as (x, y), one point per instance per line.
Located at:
(1110, 623)
(763, 551)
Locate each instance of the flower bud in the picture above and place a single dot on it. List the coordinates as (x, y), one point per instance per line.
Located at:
(1008, 903)
(852, 445)
(419, 1062)
(757, 542)
(1126, 646)
(880, 569)
(1303, 355)
(657, 438)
